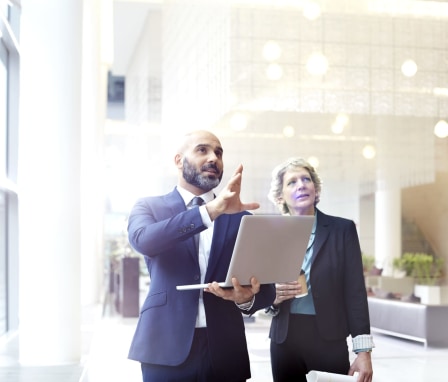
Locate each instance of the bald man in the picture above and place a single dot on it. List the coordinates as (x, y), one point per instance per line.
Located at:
(194, 335)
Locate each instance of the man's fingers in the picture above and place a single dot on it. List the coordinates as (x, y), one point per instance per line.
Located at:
(251, 206)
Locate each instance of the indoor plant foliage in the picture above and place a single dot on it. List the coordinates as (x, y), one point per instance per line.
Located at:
(368, 261)
(425, 268)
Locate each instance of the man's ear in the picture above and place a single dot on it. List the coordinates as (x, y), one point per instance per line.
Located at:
(178, 160)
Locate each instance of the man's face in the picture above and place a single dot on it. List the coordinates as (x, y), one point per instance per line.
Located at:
(202, 163)
(206, 178)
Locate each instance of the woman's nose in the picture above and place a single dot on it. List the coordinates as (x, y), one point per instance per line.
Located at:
(300, 184)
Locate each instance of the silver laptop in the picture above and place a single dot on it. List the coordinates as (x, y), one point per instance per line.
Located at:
(268, 247)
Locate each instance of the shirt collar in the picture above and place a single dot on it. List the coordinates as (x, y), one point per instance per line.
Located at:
(187, 196)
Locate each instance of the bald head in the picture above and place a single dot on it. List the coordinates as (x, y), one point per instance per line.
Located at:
(192, 137)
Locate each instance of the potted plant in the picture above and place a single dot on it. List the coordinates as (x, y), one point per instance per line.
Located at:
(404, 265)
(427, 271)
(371, 274)
(368, 261)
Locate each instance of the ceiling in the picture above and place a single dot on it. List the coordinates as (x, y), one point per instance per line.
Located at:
(130, 15)
(261, 145)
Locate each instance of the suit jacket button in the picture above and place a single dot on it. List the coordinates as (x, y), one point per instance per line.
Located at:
(196, 277)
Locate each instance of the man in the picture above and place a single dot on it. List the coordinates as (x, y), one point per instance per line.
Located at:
(193, 335)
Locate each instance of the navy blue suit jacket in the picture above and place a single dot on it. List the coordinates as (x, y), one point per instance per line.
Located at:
(337, 282)
(162, 229)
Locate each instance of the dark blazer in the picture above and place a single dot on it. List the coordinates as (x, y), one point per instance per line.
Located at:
(337, 283)
(162, 229)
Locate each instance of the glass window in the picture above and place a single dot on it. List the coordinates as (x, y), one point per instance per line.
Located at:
(3, 264)
(3, 164)
(3, 108)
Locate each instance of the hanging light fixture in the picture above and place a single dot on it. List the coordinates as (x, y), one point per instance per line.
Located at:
(409, 68)
(311, 10)
(271, 51)
(368, 152)
(238, 121)
(274, 72)
(313, 161)
(340, 123)
(317, 64)
(289, 131)
(441, 129)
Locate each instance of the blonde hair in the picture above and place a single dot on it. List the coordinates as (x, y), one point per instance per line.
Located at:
(278, 173)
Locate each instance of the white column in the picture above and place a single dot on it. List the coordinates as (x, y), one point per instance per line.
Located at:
(387, 197)
(94, 100)
(49, 182)
(387, 228)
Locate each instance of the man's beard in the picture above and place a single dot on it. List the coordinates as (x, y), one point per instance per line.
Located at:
(197, 179)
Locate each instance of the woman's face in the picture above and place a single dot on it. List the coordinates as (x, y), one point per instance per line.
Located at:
(298, 192)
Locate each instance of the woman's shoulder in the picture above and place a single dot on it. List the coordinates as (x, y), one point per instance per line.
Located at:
(326, 218)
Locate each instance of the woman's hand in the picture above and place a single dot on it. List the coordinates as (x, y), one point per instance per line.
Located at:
(363, 366)
(286, 291)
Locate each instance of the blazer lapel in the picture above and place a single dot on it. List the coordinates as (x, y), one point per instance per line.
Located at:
(322, 232)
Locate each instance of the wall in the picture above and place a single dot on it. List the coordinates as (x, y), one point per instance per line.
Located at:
(427, 206)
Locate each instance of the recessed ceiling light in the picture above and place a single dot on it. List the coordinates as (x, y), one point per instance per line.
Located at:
(311, 10)
(274, 72)
(441, 129)
(368, 152)
(313, 161)
(409, 68)
(317, 64)
(238, 121)
(271, 51)
(289, 131)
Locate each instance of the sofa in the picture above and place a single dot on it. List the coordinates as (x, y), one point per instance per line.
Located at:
(414, 321)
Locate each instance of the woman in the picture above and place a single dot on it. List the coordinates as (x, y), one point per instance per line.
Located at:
(310, 332)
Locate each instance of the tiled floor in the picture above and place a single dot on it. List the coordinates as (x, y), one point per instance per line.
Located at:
(105, 359)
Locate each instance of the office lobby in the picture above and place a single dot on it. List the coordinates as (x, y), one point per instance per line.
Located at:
(94, 95)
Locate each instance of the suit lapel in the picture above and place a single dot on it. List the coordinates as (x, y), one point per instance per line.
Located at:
(175, 202)
(322, 232)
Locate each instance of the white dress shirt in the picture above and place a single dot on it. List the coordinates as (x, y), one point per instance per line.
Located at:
(205, 243)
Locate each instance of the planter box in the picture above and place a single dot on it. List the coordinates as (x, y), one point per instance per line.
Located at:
(429, 294)
(402, 285)
(128, 288)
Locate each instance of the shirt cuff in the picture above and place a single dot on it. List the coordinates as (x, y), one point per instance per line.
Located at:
(246, 305)
(363, 343)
